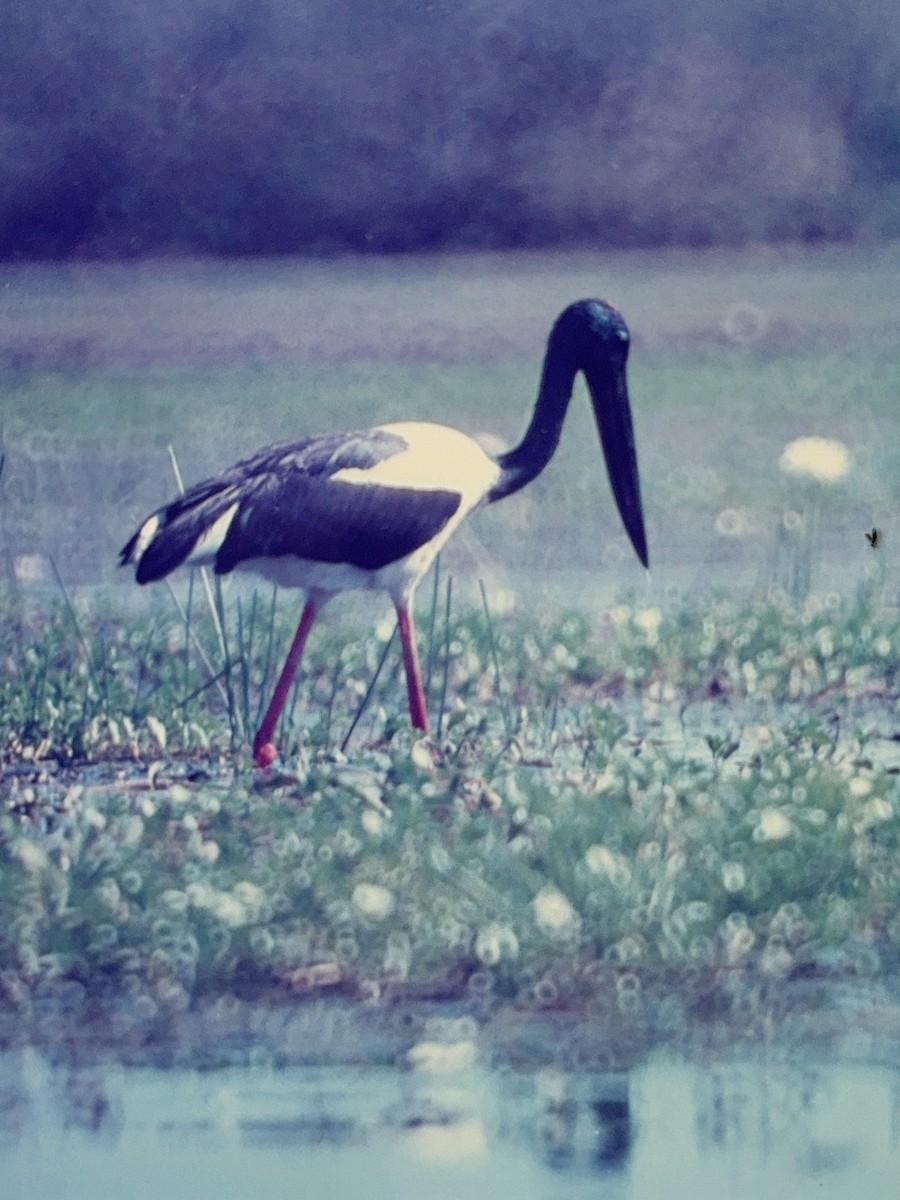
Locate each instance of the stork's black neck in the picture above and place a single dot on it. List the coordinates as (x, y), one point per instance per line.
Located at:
(525, 461)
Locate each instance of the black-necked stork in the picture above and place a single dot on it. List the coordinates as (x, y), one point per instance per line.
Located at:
(372, 509)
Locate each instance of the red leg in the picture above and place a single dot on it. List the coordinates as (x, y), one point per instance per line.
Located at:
(263, 747)
(417, 710)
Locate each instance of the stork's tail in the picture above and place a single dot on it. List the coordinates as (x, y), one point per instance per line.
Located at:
(132, 554)
(181, 533)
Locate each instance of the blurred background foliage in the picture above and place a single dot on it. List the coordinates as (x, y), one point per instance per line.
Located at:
(272, 126)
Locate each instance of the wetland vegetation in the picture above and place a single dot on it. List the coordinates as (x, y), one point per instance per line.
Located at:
(638, 801)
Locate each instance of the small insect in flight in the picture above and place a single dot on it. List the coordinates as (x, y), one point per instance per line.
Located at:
(874, 538)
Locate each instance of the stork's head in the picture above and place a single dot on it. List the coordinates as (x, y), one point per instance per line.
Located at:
(596, 337)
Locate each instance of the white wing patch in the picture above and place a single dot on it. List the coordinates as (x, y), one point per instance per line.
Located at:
(210, 541)
(436, 458)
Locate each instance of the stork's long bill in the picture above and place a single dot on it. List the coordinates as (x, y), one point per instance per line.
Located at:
(371, 509)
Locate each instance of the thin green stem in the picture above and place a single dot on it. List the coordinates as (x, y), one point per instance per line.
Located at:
(234, 722)
(267, 663)
(429, 664)
(211, 671)
(204, 574)
(446, 679)
(76, 624)
(504, 712)
(369, 690)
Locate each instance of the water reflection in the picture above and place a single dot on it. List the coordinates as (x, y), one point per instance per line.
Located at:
(743, 1126)
(582, 1121)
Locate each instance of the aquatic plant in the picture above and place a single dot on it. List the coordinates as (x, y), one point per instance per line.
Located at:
(811, 463)
(698, 791)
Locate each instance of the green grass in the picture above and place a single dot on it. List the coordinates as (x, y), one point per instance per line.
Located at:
(710, 432)
(851, 392)
(708, 793)
(216, 361)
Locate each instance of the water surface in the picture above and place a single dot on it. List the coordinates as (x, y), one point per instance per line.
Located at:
(759, 1122)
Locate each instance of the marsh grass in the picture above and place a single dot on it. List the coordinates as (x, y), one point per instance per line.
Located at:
(712, 794)
(520, 671)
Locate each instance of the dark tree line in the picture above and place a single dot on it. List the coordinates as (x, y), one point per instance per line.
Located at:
(269, 126)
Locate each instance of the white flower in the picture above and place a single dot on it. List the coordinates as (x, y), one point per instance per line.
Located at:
(228, 909)
(875, 811)
(174, 900)
(775, 959)
(739, 946)
(601, 860)
(421, 756)
(501, 601)
(251, 896)
(824, 459)
(373, 823)
(620, 615)
(223, 905)
(157, 731)
(30, 855)
(734, 877)
(552, 911)
(773, 826)
(648, 621)
(825, 641)
(199, 894)
(385, 627)
(373, 901)
(496, 941)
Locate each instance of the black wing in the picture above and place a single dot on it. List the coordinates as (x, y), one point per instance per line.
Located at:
(290, 504)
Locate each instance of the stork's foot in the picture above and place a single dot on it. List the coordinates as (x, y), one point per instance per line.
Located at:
(264, 753)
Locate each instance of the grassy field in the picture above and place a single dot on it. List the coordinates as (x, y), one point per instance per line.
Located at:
(734, 355)
(687, 785)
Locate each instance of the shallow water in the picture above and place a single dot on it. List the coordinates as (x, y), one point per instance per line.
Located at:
(760, 1122)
